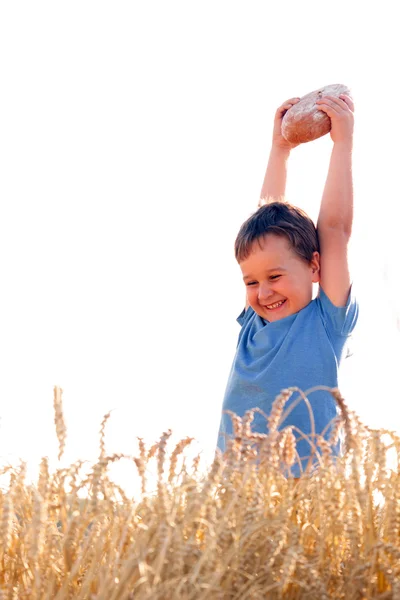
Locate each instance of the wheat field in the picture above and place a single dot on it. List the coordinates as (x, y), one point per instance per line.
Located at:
(242, 529)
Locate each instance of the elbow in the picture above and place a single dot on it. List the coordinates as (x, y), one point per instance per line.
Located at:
(337, 227)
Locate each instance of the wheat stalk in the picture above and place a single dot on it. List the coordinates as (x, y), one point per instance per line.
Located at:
(61, 429)
(242, 529)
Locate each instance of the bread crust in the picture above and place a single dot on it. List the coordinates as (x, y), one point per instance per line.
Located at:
(304, 122)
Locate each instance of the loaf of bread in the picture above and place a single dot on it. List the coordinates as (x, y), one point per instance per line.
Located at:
(304, 122)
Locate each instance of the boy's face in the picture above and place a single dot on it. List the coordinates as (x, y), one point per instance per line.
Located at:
(274, 274)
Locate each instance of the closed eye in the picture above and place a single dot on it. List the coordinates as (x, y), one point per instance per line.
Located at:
(275, 276)
(251, 283)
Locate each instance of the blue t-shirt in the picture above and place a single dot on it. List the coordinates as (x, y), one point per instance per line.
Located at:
(303, 350)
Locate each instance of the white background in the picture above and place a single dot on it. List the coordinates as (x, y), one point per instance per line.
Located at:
(134, 138)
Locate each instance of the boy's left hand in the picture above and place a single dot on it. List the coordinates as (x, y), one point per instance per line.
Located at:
(341, 113)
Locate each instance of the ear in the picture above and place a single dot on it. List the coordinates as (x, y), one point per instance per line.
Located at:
(315, 266)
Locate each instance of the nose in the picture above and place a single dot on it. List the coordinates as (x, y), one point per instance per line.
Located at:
(264, 292)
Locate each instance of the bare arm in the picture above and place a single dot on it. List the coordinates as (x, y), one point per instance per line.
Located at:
(274, 185)
(335, 218)
(336, 210)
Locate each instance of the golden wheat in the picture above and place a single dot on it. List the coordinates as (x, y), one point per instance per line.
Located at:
(242, 529)
(61, 429)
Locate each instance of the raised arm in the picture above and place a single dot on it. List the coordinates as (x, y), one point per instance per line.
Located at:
(274, 185)
(335, 218)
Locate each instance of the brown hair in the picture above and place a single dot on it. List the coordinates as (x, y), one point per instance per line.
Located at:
(282, 219)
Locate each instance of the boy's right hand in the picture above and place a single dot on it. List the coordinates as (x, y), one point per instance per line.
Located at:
(274, 185)
(278, 141)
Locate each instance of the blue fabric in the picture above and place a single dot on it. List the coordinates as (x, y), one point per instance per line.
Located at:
(304, 350)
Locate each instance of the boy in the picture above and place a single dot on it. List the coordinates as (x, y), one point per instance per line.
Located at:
(288, 339)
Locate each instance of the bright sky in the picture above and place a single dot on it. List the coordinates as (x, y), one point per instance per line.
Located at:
(134, 139)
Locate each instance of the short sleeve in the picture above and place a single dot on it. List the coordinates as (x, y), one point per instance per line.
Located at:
(245, 316)
(340, 320)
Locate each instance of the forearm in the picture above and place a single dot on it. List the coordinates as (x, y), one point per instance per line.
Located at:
(274, 184)
(336, 211)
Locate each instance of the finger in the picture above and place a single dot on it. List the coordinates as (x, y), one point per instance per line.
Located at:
(328, 108)
(333, 101)
(286, 105)
(348, 100)
(332, 111)
(291, 101)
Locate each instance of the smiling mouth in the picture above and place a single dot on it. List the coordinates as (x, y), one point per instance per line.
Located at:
(275, 305)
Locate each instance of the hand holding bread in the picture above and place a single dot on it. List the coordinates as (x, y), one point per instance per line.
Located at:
(278, 140)
(309, 118)
(340, 112)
